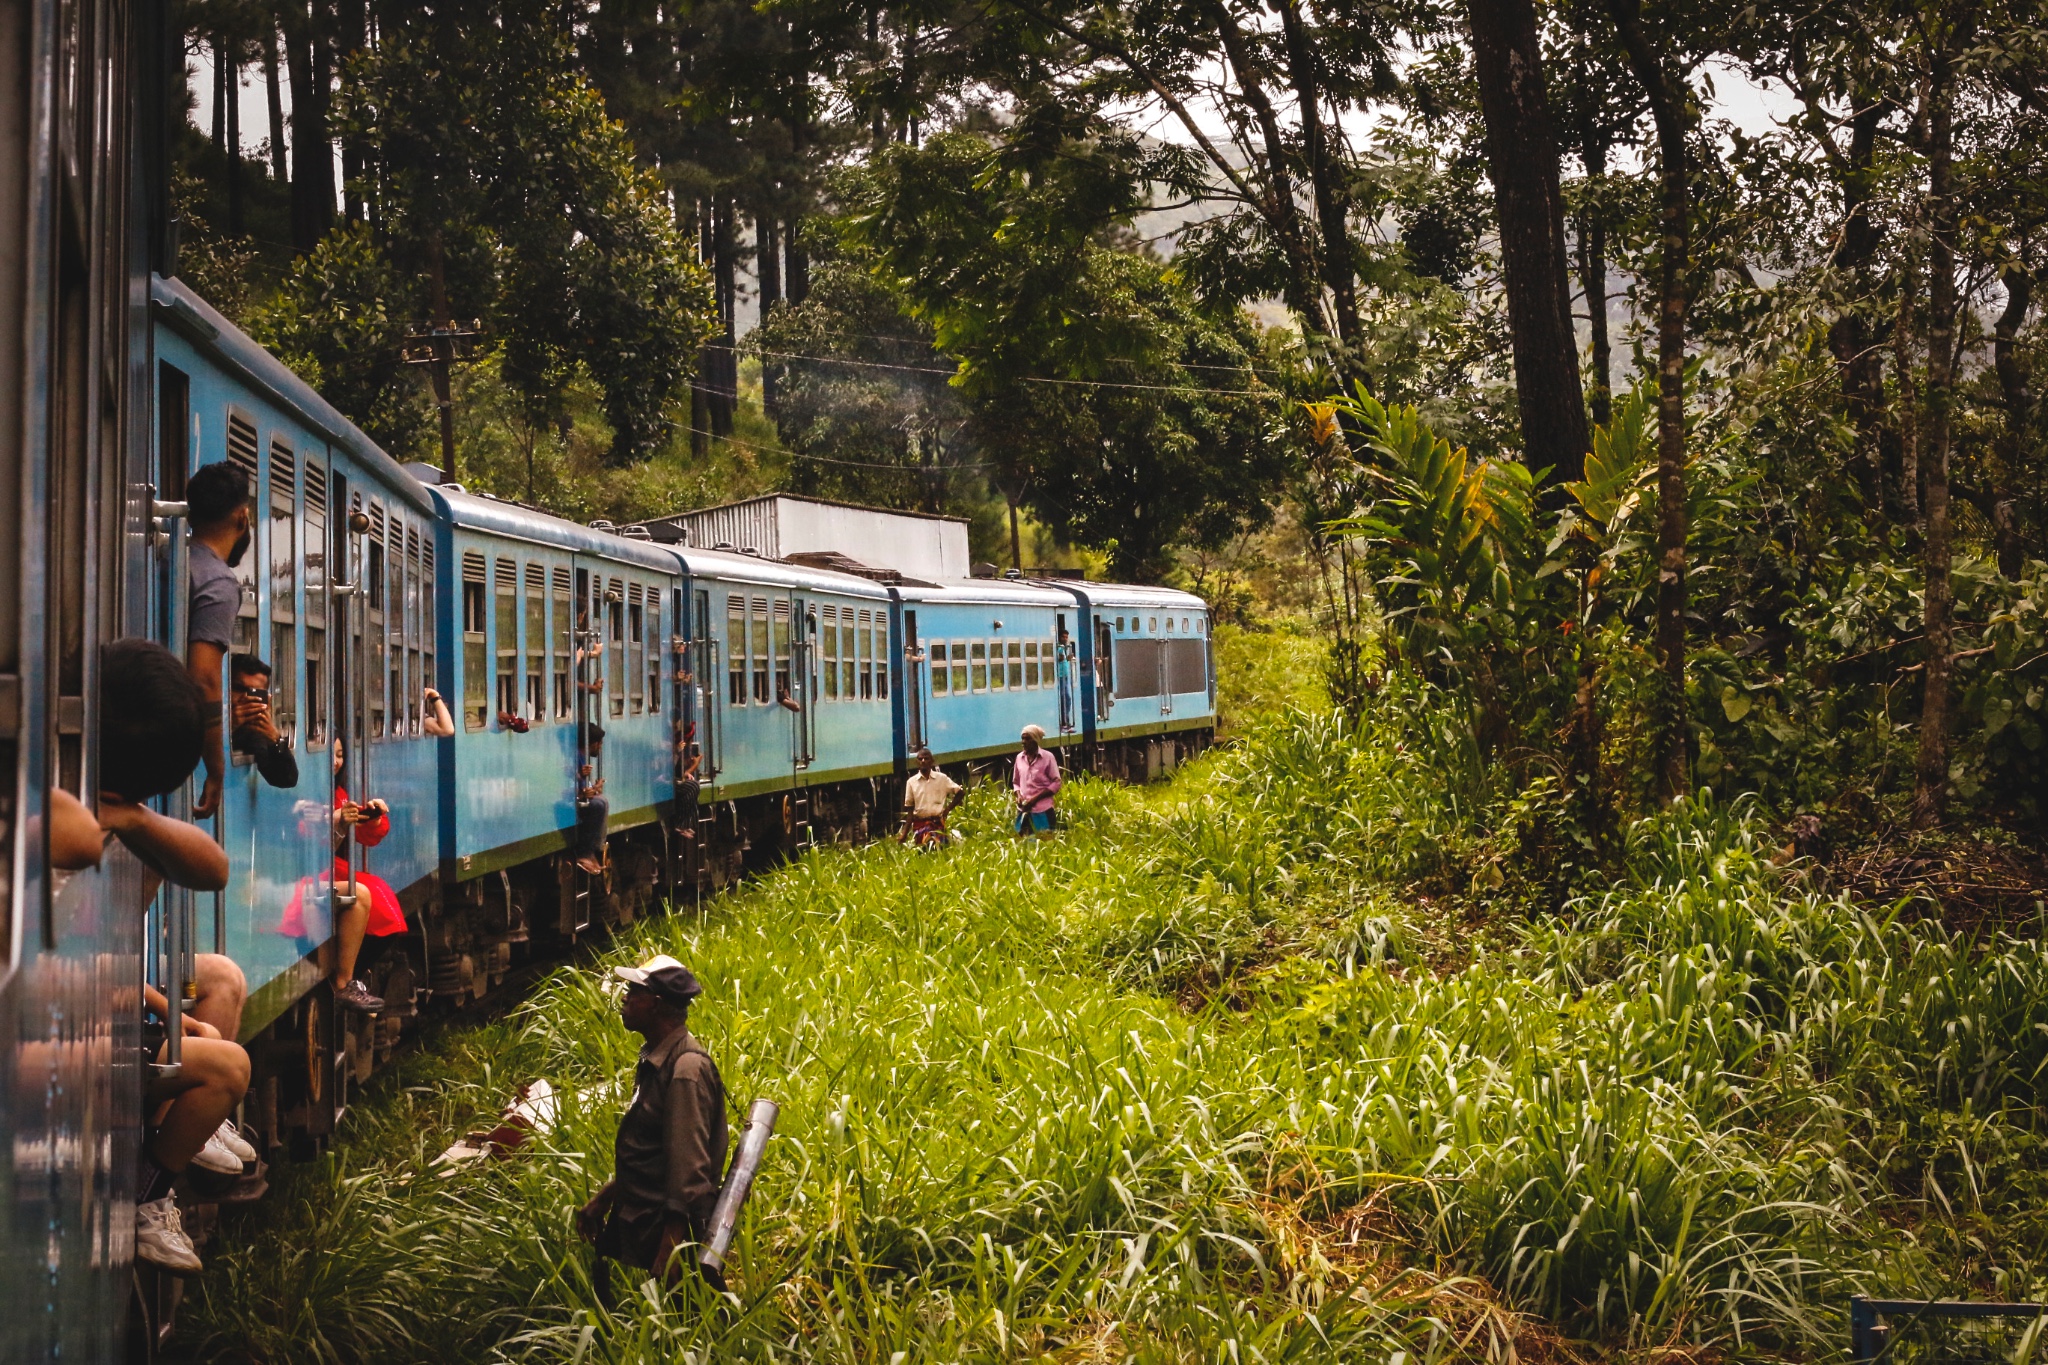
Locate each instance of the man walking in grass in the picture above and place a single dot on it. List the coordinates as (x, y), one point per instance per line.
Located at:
(671, 1145)
(1036, 780)
(928, 797)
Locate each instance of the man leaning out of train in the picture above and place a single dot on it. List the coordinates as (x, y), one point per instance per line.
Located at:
(217, 510)
(151, 732)
(255, 733)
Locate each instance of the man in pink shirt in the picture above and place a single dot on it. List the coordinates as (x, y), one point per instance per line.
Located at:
(1036, 779)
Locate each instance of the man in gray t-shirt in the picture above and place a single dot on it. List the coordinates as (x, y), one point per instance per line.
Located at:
(217, 510)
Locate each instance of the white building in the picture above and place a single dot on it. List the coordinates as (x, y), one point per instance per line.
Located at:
(779, 526)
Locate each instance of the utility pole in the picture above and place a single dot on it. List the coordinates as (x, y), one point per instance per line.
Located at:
(438, 346)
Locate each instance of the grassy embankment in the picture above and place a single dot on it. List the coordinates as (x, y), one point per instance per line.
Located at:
(1200, 1080)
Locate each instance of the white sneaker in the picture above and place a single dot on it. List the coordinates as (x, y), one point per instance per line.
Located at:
(216, 1156)
(160, 1238)
(228, 1137)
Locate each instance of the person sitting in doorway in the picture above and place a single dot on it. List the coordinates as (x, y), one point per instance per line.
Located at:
(689, 781)
(928, 798)
(255, 733)
(365, 906)
(593, 812)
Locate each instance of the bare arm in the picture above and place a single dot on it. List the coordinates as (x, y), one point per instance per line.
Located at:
(185, 854)
(203, 661)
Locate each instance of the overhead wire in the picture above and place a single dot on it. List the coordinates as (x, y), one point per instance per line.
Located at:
(827, 459)
(1027, 379)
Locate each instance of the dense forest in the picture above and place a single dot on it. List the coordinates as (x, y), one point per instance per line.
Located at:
(1678, 456)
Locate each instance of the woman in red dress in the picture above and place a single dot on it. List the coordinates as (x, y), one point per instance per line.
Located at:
(368, 906)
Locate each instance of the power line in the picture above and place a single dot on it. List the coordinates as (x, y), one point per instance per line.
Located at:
(927, 342)
(827, 459)
(1026, 379)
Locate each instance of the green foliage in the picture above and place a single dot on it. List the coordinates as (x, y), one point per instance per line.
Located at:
(332, 321)
(1698, 1109)
(1120, 411)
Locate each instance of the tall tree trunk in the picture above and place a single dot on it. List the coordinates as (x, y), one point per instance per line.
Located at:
(220, 98)
(312, 149)
(725, 395)
(799, 277)
(2016, 384)
(1339, 263)
(1301, 286)
(352, 25)
(1593, 276)
(768, 268)
(1857, 358)
(1667, 100)
(1521, 158)
(1906, 438)
(1930, 767)
(234, 80)
(273, 94)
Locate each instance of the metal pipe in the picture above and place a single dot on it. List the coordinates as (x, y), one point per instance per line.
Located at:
(739, 1182)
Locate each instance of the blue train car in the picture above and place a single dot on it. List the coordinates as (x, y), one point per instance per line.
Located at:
(343, 618)
(1148, 676)
(556, 628)
(988, 657)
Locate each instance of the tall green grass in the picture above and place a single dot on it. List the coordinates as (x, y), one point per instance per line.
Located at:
(1199, 1080)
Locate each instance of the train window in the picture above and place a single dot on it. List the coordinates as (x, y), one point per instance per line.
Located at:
(394, 620)
(475, 660)
(415, 676)
(881, 656)
(242, 453)
(536, 643)
(425, 625)
(652, 664)
(615, 636)
(1183, 625)
(996, 676)
(506, 582)
(1119, 623)
(828, 636)
(935, 654)
(736, 651)
(959, 667)
(860, 679)
(978, 665)
(1169, 625)
(1202, 624)
(316, 604)
(1030, 664)
(849, 655)
(563, 648)
(1016, 651)
(780, 638)
(373, 572)
(284, 577)
(757, 648)
(636, 648)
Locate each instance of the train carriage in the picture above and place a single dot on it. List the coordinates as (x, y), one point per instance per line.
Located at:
(553, 629)
(344, 618)
(990, 656)
(1148, 671)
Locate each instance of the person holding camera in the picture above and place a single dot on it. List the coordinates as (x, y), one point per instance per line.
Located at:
(255, 733)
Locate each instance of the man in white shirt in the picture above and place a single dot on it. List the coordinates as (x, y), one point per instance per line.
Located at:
(928, 797)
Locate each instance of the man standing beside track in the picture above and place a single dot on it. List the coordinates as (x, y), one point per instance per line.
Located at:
(671, 1145)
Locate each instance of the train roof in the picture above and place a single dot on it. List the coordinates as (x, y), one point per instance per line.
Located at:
(480, 512)
(1098, 595)
(226, 344)
(724, 565)
(993, 591)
